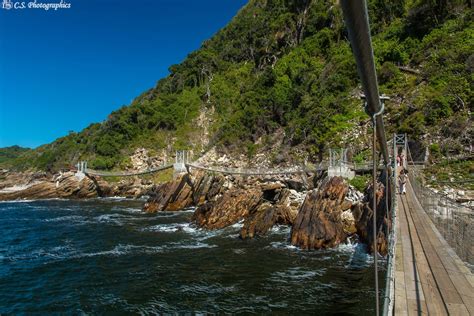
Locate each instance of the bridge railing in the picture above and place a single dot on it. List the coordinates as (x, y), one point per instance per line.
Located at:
(127, 174)
(454, 221)
(258, 171)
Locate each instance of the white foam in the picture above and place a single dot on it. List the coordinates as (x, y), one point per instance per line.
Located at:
(112, 218)
(69, 218)
(283, 245)
(280, 229)
(172, 228)
(132, 210)
(238, 225)
(296, 274)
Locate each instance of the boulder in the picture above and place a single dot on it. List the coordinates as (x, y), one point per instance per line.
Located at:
(230, 208)
(264, 217)
(319, 223)
(171, 196)
(185, 191)
(363, 216)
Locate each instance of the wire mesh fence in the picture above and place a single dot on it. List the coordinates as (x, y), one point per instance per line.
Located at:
(454, 221)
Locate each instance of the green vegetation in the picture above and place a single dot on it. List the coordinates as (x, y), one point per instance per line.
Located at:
(285, 65)
(454, 173)
(360, 182)
(10, 153)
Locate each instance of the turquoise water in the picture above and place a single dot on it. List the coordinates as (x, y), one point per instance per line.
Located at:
(107, 256)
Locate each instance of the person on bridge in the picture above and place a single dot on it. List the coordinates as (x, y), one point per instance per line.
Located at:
(402, 181)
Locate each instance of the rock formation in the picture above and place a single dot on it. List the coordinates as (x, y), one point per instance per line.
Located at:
(234, 205)
(63, 185)
(363, 216)
(184, 191)
(319, 223)
(223, 201)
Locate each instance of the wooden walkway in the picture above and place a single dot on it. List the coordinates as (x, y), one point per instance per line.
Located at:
(430, 279)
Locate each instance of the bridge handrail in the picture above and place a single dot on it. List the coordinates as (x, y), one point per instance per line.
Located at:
(127, 174)
(245, 171)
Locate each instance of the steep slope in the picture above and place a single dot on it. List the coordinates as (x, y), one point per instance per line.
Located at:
(281, 79)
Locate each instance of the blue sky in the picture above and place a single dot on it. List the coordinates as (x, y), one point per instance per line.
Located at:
(62, 70)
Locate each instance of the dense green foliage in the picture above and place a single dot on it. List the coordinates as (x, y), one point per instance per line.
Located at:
(10, 153)
(286, 66)
(360, 182)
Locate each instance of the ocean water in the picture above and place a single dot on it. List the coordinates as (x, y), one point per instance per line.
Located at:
(108, 257)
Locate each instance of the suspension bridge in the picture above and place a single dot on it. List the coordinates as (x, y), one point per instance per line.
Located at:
(424, 271)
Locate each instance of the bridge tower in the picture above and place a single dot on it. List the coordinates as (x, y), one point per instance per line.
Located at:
(81, 170)
(181, 160)
(400, 143)
(339, 164)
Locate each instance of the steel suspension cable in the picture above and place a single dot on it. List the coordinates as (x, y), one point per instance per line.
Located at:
(374, 208)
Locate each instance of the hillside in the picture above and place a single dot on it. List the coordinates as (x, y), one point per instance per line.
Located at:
(11, 153)
(280, 79)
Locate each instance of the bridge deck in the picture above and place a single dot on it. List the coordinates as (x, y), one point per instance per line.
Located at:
(429, 277)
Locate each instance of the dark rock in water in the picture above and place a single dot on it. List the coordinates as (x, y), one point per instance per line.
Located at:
(266, 215)
(363, 216)
(224, 201)
(206, 187)
(319, 223)
(185, 191)
(228, 209)
(264, 218)
(171, 196)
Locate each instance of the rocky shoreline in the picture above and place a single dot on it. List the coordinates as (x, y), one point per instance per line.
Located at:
(322, 212)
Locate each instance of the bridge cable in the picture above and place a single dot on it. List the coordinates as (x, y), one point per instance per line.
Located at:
(374, 204)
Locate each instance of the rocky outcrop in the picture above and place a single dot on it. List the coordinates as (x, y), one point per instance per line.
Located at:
(141, 160)
(234, 205)
(261, 205)
(63, 185)
(222, 201)
(171, 196)
(363, 216)
(185, 191)
(281, 208)
(319, 223)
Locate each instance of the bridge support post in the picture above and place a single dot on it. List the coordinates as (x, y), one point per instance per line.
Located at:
(338, 166)
(81, 170)
(179, 165)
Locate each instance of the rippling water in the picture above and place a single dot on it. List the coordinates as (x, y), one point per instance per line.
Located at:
(106, 256)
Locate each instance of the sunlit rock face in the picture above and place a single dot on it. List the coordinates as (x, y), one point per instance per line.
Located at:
(320, 222)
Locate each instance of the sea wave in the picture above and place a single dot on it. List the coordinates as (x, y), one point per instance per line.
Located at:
(68, 218)
(66, 252)
(172, 228)
(31, 201)
(296, 274)
(283, 245)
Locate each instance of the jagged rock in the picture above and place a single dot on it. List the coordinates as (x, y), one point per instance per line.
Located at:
(206, 187)
(363, 216)
(228, 209)
(185, 191)
(348, 222)
(319, 223)
(296, 184)
(265, 217)
(276, 210)
(63, 185)
(171, 196)
(141, 160)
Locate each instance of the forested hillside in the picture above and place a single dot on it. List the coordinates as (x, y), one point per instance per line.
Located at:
(282, 72)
